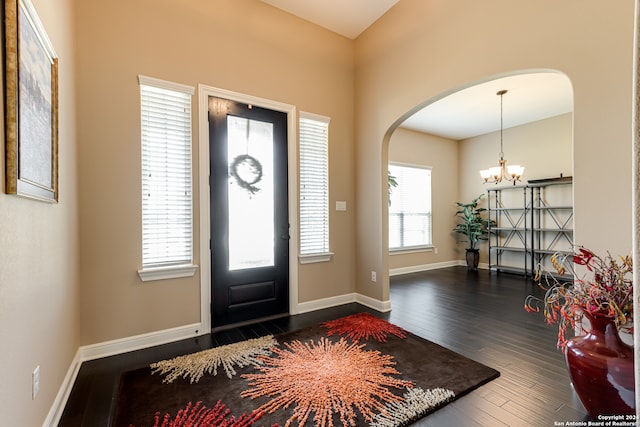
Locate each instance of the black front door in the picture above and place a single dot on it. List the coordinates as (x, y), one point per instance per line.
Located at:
(249, 212)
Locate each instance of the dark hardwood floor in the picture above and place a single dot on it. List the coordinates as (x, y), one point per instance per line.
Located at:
(477, 314)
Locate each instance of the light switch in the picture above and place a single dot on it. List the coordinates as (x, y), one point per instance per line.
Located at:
(341, 206)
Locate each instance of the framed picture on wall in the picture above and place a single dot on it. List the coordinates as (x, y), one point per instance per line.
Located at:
(31, 109)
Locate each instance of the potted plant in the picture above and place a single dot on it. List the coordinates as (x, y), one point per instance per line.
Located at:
(600, 364)
(474, 227)
(392, 183)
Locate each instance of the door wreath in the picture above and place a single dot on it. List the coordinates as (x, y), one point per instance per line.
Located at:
(247, 171)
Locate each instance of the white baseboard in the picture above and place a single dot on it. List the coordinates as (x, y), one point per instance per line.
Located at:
(110, 348)
(137, 342)
(381, 306)
(481, 266)
(319, 304)
(424, 267)
(434, 266)
(55, 412)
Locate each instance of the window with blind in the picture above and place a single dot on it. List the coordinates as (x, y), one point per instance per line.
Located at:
(410, 208)
(167, 222)
(314, 188)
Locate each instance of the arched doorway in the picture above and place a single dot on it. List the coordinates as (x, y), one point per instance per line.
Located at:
(456, 134)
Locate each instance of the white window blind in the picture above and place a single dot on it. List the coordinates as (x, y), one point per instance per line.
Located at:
(167, 223)
(410, 207)
(314, 184)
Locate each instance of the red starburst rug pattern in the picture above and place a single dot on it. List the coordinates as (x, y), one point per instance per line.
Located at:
(363, 326)
(199, 415)
(302, 378)
(325, 378)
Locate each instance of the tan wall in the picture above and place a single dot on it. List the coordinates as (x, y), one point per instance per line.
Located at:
(244, 46)
(544, 148)
(39, 321)
(421, 49)
(441, 154)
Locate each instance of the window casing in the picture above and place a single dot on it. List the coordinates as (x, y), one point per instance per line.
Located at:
(314, 188)
(167, 215)
(410, 208)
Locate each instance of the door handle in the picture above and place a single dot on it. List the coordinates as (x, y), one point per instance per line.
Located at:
(285, 237)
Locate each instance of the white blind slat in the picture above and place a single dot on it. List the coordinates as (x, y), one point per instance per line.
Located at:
(167, 232)
(314, 185)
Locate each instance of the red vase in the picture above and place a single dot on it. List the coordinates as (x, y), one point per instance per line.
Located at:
(601, 369)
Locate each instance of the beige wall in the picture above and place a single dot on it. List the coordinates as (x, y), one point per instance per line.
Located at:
(245, 46)
(421, 49)
(441, 154)
(544, 148)
(39, 321)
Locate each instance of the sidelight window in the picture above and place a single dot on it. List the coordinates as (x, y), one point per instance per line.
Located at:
(314, 188)
(167, 218)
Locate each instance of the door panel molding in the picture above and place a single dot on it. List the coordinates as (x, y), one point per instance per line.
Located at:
(204, 92)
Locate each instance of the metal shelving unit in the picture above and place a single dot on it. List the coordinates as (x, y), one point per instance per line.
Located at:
(552, 219)
(532, 222)
(510, 238)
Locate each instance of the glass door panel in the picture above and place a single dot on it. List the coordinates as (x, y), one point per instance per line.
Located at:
(251, 193)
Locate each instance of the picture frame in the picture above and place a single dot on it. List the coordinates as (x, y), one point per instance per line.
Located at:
(31, 105)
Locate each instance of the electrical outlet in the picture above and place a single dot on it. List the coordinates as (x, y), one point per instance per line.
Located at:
(435, 250)
(35, 382)
(373, 276)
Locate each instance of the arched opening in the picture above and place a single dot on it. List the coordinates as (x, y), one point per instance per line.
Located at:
(457, 133)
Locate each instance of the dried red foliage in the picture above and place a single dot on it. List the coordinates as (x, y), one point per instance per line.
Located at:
(199, 415)
(363, 325)
(605, 289)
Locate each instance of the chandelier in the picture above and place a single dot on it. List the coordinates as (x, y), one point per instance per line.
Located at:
(497, 173)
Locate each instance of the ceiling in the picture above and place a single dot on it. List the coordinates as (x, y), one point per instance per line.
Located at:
(463, 113)
(346, 17)
(475, 110)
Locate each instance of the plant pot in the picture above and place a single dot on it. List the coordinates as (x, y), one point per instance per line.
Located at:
(601, 369)
(473, 258)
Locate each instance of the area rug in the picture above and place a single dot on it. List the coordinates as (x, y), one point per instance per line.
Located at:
(355, 371)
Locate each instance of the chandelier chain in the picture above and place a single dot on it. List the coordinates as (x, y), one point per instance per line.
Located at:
(501, 93)
(502, 172)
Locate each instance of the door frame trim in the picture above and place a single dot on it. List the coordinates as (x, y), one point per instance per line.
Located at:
(204, 92)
